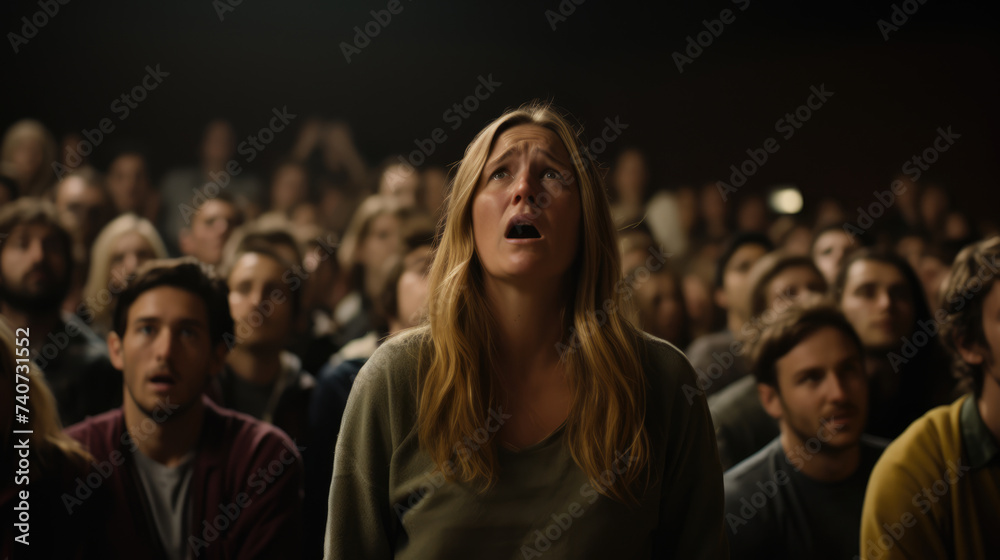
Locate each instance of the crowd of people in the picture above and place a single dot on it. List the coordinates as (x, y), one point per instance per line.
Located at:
(525, 355)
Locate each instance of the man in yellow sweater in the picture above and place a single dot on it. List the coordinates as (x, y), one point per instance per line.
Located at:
(935, 492)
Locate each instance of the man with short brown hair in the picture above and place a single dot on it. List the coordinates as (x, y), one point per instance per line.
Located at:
(177, 476)
(801, 495)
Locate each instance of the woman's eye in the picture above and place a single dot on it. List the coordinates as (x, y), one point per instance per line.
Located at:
(498, 174)
(553, 174)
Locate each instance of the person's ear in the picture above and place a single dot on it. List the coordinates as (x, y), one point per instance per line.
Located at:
(770, 399)
(971, 353)
(115, 353)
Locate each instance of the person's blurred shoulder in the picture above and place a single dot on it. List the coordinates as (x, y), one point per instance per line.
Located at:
(668, 370)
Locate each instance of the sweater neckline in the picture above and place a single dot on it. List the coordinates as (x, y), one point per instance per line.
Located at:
(543, 443)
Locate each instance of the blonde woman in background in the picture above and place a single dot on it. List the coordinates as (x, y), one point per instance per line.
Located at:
(372, 239)
(529, 416)
(121, 247)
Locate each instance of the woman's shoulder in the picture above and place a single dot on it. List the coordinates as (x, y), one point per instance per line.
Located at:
(391, 372)
(400, 352)
(670, 377)
(663, 361)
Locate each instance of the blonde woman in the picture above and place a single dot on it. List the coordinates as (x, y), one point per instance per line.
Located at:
(528, 417)
(121, 247)
(44, 466)
(372, 239)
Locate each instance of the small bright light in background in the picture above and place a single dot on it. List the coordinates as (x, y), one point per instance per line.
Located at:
(786, 199)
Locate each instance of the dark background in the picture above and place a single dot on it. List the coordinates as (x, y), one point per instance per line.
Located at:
(607, 59)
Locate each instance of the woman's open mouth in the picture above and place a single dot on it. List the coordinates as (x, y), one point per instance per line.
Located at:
(523, 231)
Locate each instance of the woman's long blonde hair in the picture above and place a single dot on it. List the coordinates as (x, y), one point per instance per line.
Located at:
(600, 352)
(101, 290)
(47, 437)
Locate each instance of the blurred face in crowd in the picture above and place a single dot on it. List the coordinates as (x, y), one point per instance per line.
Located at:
(305, 214)
(219, 143)
(68, 149)
(879, 303)
(166, 353)
(128, 183)
(829, 251)
(933, 205)
(290, 187)
(210, 227)
(27, 158)
(82, 208)
(412, 290)
(380, 243)
(911, 248)
(6, 194)
(822, 391)
(687, 205)
(752, 214)
(255, 279)
(797, 241)
(128, 252)
(525, 163)
(933, 272)
(34, 268)
(956, 226)
(698, 301)
(400, 183)
(795, 283)
(661, 312)
(631, 176)
(435, 188)
(713, 207)
(829, 211)
(733, 294)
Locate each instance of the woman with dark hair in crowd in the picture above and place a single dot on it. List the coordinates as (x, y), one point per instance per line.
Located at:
(830, 247)
(529, 415)
(882, 297)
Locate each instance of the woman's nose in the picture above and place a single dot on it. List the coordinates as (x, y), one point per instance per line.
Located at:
(525, 188)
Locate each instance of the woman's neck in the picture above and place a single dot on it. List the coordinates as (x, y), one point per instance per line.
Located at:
(529, 325)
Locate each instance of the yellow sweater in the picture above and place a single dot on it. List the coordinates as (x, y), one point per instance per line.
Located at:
(935, 492)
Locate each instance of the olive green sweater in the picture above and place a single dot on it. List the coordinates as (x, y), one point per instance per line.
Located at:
(935, 493)
(387, 499)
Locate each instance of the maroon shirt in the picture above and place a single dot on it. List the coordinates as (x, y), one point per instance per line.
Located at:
(246, 489)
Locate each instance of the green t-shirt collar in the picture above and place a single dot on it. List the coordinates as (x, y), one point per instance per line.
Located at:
(976, 438)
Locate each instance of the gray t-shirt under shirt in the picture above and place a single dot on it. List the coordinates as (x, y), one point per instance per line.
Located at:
(168, 492)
